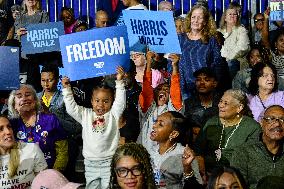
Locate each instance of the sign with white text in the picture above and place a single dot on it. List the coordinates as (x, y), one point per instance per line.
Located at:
(43, 37)
(276, 10)
(95, 52)
(153, 29)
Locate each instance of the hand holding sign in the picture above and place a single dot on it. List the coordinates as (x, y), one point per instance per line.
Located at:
(149, 56)
(175, 59)
(65, 82)
(120, 73)
(21, 31)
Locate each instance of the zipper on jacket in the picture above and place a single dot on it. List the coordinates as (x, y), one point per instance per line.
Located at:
(273, 159)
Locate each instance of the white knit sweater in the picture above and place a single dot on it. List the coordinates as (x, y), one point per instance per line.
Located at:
(236, 43)
(98, 145)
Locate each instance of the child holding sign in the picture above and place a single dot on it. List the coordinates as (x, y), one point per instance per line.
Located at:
(155, 102)
(100, 128)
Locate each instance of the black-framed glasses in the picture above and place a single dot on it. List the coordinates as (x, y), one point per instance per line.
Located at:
(123, 171)
(272, 120)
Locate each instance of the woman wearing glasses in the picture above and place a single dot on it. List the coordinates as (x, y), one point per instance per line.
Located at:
(236, 42)
(131, 168)
(263, 87)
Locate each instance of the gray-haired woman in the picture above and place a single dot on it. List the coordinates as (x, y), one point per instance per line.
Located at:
(232, 128)
(32, 126)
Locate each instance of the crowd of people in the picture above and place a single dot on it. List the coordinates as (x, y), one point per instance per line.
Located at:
(211, 117)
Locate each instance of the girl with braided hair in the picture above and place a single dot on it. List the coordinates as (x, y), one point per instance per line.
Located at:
(131, 168)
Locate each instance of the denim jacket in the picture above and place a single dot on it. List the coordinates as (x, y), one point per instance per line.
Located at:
(57, 106)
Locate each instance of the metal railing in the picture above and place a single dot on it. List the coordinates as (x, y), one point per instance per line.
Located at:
(88, 8)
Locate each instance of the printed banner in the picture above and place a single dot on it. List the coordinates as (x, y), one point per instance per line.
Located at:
(9, 68)
(95, 52)
(42, 37)
(276, 10)
(153, 29)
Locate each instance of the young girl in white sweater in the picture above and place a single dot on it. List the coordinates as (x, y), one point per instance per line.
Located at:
(100, 128)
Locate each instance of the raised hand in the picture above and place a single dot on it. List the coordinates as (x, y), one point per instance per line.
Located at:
(21, 31)
(120, 73)
(65, 82)
(187, 158)
(174, 58)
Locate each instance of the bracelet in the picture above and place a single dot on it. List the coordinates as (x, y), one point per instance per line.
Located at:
(186, 176)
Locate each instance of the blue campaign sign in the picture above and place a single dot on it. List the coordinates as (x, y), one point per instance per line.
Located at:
(95, 52)
(43, 37)
(154, 29)
(276, 10)
(9, 68)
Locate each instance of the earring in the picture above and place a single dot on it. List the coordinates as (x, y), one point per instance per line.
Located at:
(238, 114)
(171, 139)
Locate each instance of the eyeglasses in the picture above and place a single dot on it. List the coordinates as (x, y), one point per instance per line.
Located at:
(272, 120)
(257, 20)
(233, 14)
(123, 171)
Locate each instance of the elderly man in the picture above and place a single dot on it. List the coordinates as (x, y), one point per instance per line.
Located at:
(165, 6)
(101, 19)
(265, 157)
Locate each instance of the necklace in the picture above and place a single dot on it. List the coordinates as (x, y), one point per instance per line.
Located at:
(218, 152)
(171, 148)
(28, 124)
(264, 107)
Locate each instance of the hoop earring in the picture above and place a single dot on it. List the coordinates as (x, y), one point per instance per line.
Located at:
(238, 114)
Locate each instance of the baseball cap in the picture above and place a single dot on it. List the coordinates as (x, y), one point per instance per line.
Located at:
(52, 179)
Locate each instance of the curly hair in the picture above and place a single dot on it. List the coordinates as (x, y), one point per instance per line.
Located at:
(241, 97)
(140, 154)
(219, 171)
(209, 29)
(13, 113)
(256, 73)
